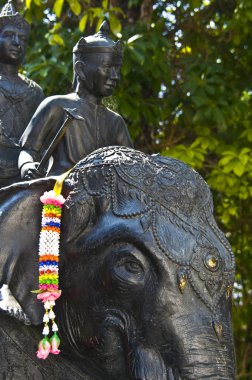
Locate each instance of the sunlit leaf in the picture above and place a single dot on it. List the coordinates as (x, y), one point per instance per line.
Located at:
(57, 8)
(105, 4)
(75, 7)
(97, 12)
(99, 22)
(115, 24)
(225, 217)
(56, 27)
(83, 22)
(239, 169)
(186, 50)
(134, 38)
(245, 150)
(28, 3)
(117, 10)
(195, 3)
(56, 39)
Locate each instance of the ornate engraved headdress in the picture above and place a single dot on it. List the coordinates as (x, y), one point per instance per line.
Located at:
(171, 200)
(9, 16)
(98, 43)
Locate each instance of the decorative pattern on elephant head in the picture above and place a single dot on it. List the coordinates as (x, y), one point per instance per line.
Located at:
(146, 274)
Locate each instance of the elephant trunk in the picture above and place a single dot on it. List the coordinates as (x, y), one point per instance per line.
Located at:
(147, 364)
(205, 353)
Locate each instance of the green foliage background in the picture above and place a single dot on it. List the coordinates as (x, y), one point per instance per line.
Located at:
(186, 91)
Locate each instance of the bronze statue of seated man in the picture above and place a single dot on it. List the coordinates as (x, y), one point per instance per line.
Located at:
(146, 275)
(19, 96)
(97, 61)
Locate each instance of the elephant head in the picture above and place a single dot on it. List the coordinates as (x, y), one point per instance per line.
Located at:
(146, 274)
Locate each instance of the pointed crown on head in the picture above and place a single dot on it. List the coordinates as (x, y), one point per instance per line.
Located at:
(98, 43)
(9, 16)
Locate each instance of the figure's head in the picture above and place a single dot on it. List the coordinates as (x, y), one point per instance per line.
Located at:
(14, 31)
(97, 62)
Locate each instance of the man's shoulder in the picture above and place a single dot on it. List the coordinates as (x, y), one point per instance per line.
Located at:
(31, 83)
(114, 115)
(60, 101)
(25, 87)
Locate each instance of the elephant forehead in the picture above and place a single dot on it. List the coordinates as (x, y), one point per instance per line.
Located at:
(110, 229)
(117, 247)
(168, 181)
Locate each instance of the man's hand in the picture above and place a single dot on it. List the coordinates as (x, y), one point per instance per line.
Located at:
(29, 171)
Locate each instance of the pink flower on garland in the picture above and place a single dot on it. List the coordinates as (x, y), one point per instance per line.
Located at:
(44, 348)
(48, 287)
(55, 342)
(49, 197)
(49, 296)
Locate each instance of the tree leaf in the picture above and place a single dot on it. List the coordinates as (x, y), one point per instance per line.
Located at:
(28, 3)
(83, 22)
(75, 7)
(134, 38)
(225, 217)
(57, 39)
(117, 10)
(239, 169)
(137, 55)
(99, 22)
(244, 159)
(105, 4)
(245, 151)
(57, 8)
(196, 3)
(97, 12)
(225, 160)
(115, 24)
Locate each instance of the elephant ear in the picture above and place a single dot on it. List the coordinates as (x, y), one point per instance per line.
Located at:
(20, 218)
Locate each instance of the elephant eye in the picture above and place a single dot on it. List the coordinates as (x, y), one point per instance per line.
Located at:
(133, 267)
(129, 266)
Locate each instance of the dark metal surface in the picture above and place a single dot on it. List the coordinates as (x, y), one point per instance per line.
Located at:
(71, 115)
(19, 96)
(97, 62)
(146, 274)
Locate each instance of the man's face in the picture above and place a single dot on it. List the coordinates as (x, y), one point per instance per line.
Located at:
(12, 45)
(102, 73)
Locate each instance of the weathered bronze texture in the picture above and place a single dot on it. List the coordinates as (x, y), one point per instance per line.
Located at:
(97, 61)
(146, 274)
(19, 96)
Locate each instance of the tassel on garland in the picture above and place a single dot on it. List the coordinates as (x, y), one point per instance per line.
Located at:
(49, 291)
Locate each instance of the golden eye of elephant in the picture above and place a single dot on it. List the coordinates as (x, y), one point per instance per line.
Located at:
(211, 262)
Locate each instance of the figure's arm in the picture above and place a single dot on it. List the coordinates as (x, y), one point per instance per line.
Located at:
(38, 97)
(27, 165)
(37, 137)
(122, 134)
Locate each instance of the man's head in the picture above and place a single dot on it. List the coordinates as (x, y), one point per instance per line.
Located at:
(14, 31)
(97, 62)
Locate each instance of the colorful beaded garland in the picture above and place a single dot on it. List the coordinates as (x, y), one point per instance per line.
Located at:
(48, 292)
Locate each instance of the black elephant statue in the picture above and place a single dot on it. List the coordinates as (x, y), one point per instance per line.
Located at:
(146, 275)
